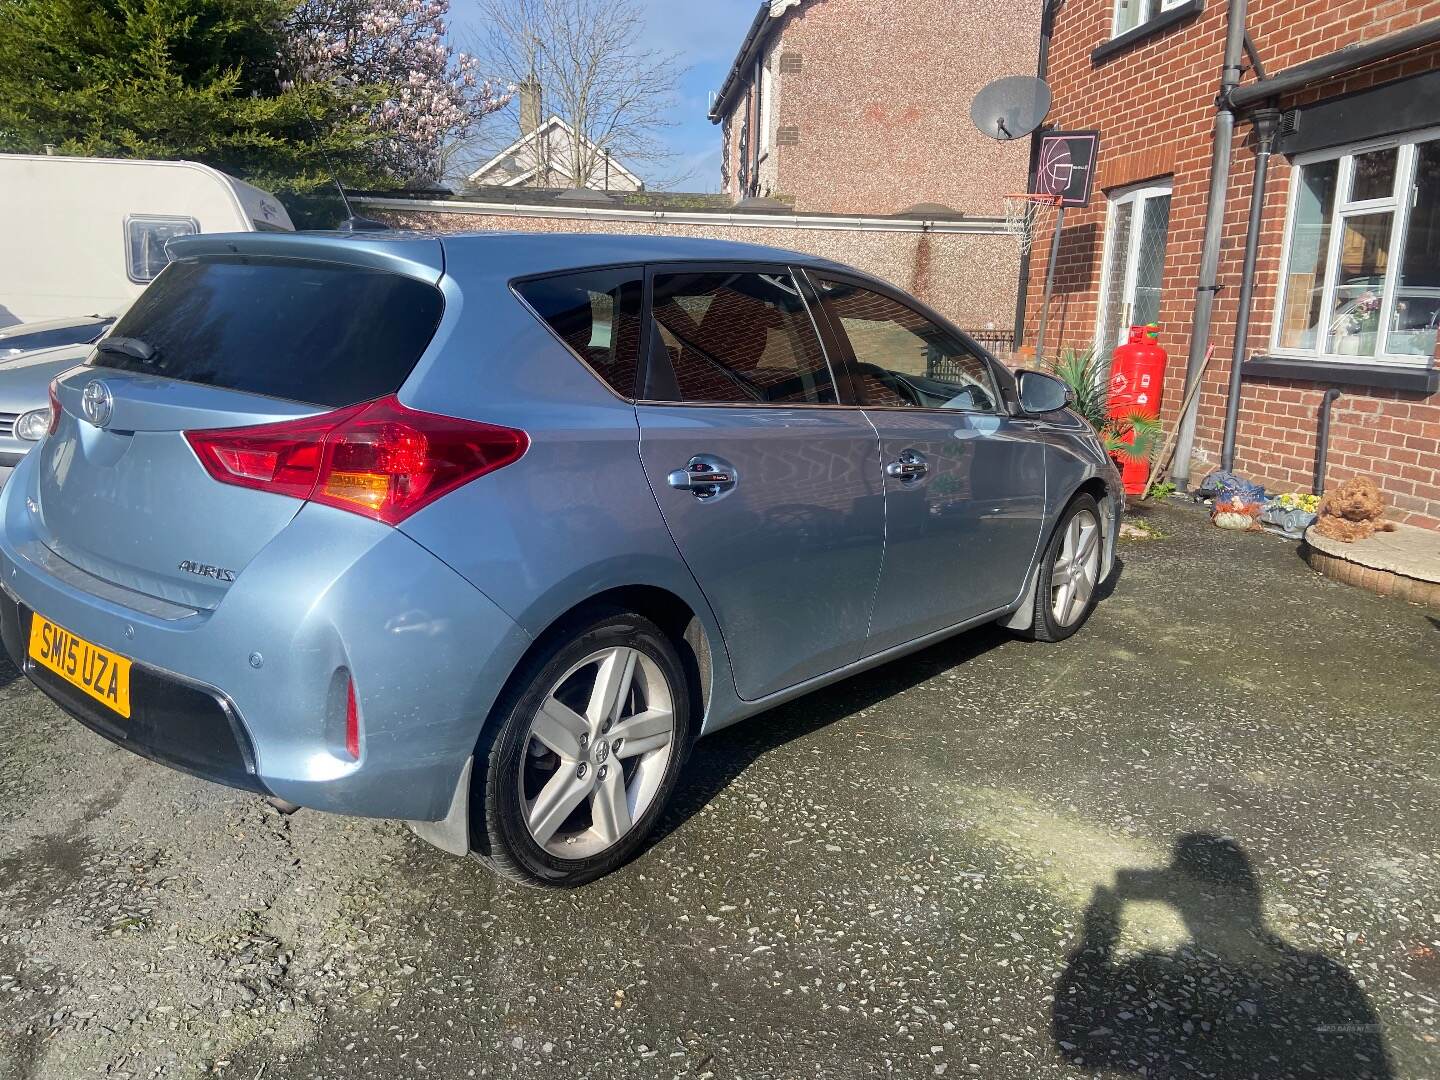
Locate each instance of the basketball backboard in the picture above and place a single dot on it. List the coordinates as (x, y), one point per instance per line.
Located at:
(1065, 166)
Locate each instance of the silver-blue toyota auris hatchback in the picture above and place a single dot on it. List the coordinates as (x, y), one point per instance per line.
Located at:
(481, 532)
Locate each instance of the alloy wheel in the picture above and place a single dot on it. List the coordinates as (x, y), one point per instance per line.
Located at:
(1077, 565)
(596, 752)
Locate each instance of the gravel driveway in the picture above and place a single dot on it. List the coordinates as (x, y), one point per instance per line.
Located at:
(1199, 839)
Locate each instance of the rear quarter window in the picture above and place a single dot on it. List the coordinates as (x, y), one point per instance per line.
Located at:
(319, 333)
(597, 314)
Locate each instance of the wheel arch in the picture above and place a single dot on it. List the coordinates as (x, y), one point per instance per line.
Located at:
(672, 613)
(675, 617)
(1096, 487)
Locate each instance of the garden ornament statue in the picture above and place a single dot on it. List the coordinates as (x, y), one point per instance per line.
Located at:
(1352, 511)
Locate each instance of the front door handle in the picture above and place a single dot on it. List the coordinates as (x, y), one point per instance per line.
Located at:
(704, 477)
(910, 465)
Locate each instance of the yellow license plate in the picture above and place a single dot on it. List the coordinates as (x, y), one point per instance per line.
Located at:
(99, 672)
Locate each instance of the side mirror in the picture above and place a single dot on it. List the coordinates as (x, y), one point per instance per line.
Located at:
(1041, 393)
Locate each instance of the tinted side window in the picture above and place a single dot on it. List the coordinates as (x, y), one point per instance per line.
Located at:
(741, 338)
(902, 358)
(596, 313)
(321, 333)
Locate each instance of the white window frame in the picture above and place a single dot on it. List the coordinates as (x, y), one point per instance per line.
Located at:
(1136, 195)
(1395, 204)
(1149, 11)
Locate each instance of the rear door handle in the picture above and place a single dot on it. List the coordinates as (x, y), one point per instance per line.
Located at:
(910, 465)
(704, 477)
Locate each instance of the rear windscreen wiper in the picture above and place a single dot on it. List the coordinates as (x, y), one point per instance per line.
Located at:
(132, 347)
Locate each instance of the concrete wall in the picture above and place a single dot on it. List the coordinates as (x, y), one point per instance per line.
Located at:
(1154, 104)
(971, 278)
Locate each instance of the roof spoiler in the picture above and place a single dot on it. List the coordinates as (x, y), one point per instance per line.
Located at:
(413, 255)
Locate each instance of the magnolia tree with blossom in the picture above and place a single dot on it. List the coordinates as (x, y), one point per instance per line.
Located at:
(421, 96)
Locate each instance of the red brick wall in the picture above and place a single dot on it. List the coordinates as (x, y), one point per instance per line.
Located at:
(882, 104)
(1154, 106)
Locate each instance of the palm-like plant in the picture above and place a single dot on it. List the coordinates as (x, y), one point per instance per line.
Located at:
(1131, 437)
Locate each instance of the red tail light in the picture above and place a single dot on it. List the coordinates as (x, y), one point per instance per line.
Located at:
(378, 458)
(54, 407)
(352, 721)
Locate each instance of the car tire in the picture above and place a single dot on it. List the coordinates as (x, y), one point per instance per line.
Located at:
(1058, 613)
(572, 779)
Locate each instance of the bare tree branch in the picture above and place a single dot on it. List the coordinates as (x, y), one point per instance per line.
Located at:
(593, 71)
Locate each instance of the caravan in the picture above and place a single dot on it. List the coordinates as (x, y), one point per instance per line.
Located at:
(84, 236)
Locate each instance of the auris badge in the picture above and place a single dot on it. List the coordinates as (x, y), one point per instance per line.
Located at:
(97, 404)
(219, 573)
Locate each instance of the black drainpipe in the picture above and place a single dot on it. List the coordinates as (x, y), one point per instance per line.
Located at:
(1042, 70)
(755, 87)
(1339, 62)
(1207, 285)
(1266, 122)
(1322, 441)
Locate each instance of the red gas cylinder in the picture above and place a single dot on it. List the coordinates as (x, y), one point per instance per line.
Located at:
(1137, 373)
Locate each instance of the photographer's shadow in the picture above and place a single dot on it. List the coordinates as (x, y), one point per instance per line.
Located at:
(1235, 1001)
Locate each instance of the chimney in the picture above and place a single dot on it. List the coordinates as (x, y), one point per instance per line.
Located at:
(529, 106)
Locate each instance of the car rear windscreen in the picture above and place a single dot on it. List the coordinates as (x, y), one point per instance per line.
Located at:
(320, 333)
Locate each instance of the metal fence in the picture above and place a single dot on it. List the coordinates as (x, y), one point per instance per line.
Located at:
(998, 342)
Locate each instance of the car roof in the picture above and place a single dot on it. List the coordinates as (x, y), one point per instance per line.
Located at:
(513, 254)
(567, 251)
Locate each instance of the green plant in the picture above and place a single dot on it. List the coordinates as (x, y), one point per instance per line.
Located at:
(1081, 371)
(1132, 436)
(1137, 528)
(1161, 491)
(167, 79)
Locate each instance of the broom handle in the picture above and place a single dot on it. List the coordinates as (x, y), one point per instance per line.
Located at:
(1169, 448)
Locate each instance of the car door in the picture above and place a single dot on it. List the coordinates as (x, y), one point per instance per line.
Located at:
(964, 482)
(767, 482)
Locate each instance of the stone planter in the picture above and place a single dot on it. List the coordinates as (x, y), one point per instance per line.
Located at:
(1404, 563)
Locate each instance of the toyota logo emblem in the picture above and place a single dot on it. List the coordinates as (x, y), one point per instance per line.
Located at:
(97, 404)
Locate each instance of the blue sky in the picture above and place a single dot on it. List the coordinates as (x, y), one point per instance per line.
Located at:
(706, 34)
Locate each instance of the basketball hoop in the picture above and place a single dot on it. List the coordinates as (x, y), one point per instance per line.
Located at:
(1022, 211)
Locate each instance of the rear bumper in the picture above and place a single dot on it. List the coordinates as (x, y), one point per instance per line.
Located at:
(187, 727)
(246, 694)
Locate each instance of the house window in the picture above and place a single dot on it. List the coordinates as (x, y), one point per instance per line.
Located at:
(1362, 254)
(1135, 233)
(1132, 13)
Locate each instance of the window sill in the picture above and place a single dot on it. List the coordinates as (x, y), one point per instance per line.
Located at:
(1162, 22)
(1425, 380)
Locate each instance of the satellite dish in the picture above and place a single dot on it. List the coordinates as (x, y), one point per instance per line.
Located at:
(1012, 107)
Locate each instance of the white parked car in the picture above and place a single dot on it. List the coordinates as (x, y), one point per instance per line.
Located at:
(51, 334)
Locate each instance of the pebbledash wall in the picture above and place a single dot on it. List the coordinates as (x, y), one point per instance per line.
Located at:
(863, 107)
(965, 269)
(1152, 98)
